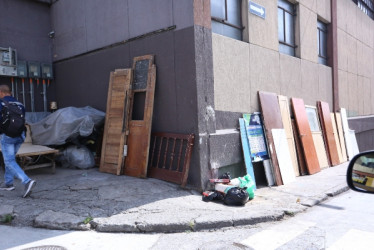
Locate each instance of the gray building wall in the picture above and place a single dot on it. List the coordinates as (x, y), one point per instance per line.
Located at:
(84, 80)
(89, 43)
(93, 24)
(364, 130)
(24, 26)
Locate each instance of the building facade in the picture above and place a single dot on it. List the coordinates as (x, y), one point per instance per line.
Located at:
(212, 57)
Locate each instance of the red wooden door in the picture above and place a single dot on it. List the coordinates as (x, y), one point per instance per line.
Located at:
(305, 135)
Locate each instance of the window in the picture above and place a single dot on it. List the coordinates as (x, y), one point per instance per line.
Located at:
(226, 18)
(286, 27)
(322, 42)
(367, 6)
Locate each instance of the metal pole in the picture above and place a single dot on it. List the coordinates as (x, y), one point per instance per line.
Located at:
(12, 86)
(32, 95)
(44, 96)
(23, 92)
(16, 88)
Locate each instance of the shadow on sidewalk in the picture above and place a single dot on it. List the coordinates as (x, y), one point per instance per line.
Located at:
(87, 193)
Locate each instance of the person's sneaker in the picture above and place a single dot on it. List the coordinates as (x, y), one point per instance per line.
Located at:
(28, 188)
(7, 187)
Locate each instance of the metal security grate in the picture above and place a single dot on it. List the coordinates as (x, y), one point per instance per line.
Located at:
(170, 156)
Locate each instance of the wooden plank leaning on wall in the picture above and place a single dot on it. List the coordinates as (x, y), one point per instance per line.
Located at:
(286, 119)
(140, 123)
(272, 120)
(305, 136)
(116, 121)
(328, 132)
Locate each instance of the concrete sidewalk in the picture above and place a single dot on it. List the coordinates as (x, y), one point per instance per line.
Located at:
(110, 203)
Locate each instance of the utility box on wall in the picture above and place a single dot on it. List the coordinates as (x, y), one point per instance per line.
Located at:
(47, 72)
(34, 70)
(22, 69)
(8, 62)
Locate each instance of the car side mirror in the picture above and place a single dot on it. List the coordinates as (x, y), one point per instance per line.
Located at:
(360, 173)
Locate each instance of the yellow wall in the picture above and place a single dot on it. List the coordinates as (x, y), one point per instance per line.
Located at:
(355, 59)
(242, 68)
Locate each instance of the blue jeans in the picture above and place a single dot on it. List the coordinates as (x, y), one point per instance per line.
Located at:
(9, 148)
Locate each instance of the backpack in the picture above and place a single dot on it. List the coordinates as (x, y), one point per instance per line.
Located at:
(13, 119)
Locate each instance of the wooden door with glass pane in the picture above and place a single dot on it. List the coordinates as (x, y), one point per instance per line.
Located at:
(140, 124)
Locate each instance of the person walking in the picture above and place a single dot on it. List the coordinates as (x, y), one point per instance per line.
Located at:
(10, 146)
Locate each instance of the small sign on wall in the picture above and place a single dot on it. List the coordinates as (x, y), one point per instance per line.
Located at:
(257, 9)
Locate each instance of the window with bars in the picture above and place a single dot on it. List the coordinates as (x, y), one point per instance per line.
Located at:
(367, 6)
(322, 33)
(226, 18)
(286, 27)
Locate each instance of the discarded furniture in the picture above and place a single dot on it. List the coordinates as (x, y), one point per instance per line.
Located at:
(336, 136)
(305, 135)
(141, 113)
(170, 157)
(116, 122)
(284, 107)
(328, 132)
(128, 122)
(32, 156)
(341, 136)
(317, 136)
(272, 120)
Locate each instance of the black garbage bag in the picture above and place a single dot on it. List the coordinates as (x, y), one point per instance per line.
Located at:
(212, 196)
(236, 197)
(225, 176)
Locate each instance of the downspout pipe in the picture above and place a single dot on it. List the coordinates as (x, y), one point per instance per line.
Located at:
(334, 55)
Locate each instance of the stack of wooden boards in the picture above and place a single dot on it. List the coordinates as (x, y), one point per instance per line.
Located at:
(128, 119)
(315, 139)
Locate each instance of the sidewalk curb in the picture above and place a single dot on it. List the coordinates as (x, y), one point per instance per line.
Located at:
(132, 223)
(90, 200)
(338, 191)
(121, 224)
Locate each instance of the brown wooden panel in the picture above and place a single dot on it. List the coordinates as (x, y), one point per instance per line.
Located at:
(305, 135)
(341, 136)
(328, 132)
(140, 130)
(286, 119)
(299, 149)
(272, 120)
(319, 145)
(116, 121)
(170, 157)
(336, 136)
